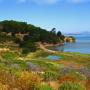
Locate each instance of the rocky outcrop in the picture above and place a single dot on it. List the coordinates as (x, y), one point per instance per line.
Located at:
(70, 39)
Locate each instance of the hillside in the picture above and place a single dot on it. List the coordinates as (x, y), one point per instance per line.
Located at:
(26, 35)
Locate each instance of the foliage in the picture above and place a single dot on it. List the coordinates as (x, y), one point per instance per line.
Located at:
(50, 75)
(28, 81)
(61, 36)
(59, 33)
(71, 86)
(23, 81)
(3, 87)
(28, 46)
(25, 35)
(37, 54)
(32, 32)
(5, 38)
(88, 83)
(16, 75)
(71, 76)
(44, 87)
(10, 55)
(7, 80)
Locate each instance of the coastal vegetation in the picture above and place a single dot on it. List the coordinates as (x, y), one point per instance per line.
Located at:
(37, 72)
(26, 35)
(24, 65)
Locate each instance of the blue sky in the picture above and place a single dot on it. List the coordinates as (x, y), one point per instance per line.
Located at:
(65, 15)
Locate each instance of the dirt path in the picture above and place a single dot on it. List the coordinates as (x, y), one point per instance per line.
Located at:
(41, 46)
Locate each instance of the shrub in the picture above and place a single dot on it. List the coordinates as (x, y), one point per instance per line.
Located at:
(28, 81)
(3, 87)
(88, 83)
(28, 46)
(22, 81)
(7, 80)
(10, 55)
(50, 75)
(44, 87)
(71, 86)
(37, 54)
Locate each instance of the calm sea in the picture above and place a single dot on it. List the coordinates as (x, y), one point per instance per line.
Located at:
(82, 45)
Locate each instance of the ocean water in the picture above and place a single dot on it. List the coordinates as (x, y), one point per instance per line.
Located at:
(82, 45)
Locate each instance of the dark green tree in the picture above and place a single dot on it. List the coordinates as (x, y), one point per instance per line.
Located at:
(59, 33)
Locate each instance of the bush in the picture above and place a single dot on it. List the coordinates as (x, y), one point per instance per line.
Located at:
(28, 81)
(72, 76)
(50, 75)
(44, 87)
(37, 54)
(10, 55)
(71, 86)
(7, 80)
(3, 87)
(21, 81)
(28, 46)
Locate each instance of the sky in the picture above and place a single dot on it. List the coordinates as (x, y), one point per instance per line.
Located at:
(67, 16)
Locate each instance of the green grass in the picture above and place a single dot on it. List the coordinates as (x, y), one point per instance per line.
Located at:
(71, 86)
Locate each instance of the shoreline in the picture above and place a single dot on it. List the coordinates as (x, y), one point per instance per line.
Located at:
(48, 45)
(43, 47)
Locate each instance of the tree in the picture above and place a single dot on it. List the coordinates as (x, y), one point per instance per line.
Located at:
(53, 31)
(28, 34)
(59, 33)
(28, 46)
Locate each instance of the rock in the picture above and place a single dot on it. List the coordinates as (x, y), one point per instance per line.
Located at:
(70, 39)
